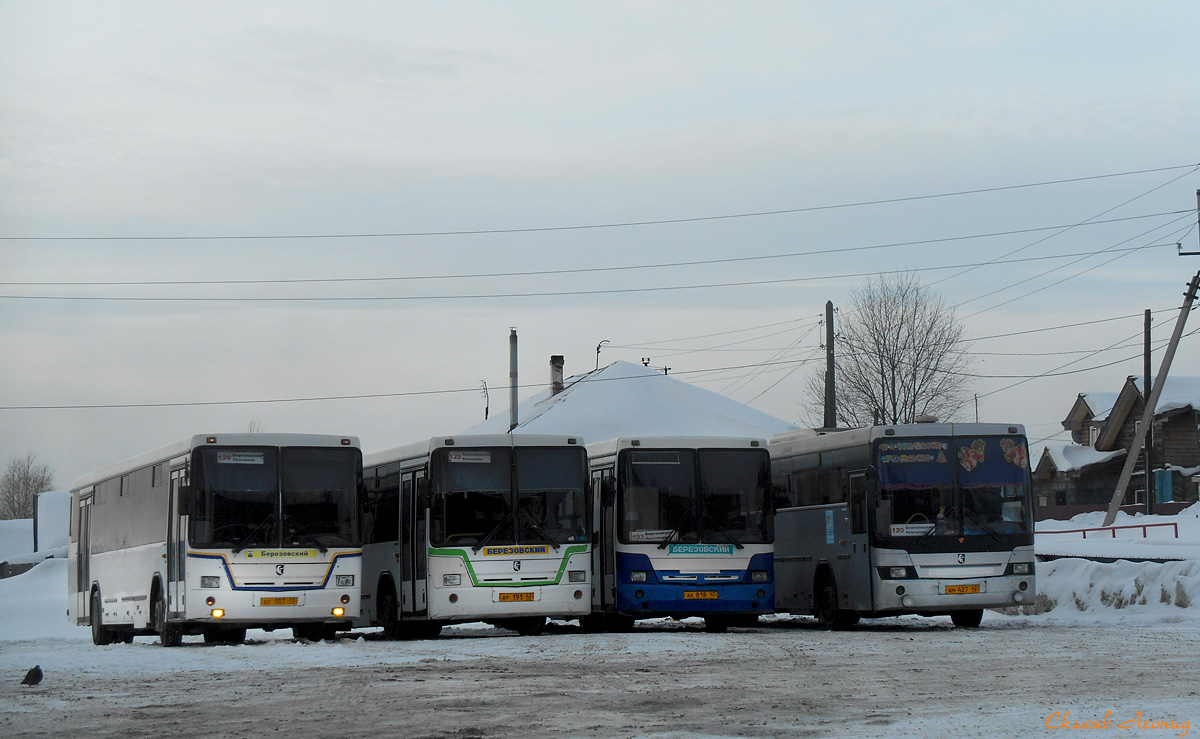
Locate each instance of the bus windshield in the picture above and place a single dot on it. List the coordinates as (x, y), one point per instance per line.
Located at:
(688, 496)
(735, 491)
(551, 495)
(953, 487)
(474, 501)
(239, 497)
(319, 495)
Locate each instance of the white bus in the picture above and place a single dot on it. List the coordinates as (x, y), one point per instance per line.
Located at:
(218, 533)
(685, 528)
(487, 528)
(928, 519)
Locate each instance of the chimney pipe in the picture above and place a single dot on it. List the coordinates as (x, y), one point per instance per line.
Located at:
(512, 379)
(556, 374)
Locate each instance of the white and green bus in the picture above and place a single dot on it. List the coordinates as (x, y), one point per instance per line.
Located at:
(927, 518)
(216, 534)
(489, 528)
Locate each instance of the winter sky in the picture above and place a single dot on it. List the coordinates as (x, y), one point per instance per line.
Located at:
(177, 120)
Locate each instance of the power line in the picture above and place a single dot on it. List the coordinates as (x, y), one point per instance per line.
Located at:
(544, 294)
(582, 270)
(620, 224)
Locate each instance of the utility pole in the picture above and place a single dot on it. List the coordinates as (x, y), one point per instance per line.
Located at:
(830, 387)
(1148, 451)
(1151, 403)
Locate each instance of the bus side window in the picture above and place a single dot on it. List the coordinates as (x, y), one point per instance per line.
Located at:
(858, 504)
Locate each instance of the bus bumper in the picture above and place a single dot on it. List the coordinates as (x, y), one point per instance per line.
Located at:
(943, 595)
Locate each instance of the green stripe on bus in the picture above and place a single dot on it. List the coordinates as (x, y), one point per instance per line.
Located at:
(462, 553)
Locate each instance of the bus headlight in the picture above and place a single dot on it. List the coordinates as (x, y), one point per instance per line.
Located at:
(637, 576)
(1020, 568)
(576, 576)
(898, 573)
(344, 581)
(339, 612)
(218, 613)
(759, 576)
(210, 581)
(451, 581)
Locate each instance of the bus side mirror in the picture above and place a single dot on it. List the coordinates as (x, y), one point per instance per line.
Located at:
(187, 500)
(872, 473)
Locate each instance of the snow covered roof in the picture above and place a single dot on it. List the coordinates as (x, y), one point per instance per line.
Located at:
(625, 399)
(1178, 392)
(1074, 457)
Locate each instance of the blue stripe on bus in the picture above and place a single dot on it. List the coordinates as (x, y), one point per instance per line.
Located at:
(274, 588)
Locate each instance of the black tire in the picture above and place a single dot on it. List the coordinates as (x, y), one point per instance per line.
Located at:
(829, 613)
(314, 632)
(101, 636)
(224, 635)
(532, 626)
(716, 624)
(424, 630)
(967, 619)
(388, 613)
(169, 634)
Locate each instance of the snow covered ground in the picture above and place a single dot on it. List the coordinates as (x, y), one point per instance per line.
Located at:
(1119, 637)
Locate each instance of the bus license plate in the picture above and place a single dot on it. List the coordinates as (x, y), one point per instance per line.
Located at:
(516, 597)
(278, 601)
(962, 589)
(700, 595)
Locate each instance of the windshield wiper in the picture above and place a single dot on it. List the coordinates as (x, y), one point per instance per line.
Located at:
(542, 533)
(482, 542)
(245, 540)
(719, 529)
(981, 524)
(675, 527)
(941, 521)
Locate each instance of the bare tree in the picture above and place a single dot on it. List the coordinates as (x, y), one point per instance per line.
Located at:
(23, 479)
(255, 426)
(900, 354)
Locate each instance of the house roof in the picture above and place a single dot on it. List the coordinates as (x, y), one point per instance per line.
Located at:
(1075, 457)
(625, 399)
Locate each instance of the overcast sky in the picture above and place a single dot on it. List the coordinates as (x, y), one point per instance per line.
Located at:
(148, 120)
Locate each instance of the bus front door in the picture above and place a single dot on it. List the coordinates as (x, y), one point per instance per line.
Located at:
(857, 573)
(176, 549)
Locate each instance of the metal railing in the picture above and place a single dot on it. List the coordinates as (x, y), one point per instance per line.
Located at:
(1113, 529)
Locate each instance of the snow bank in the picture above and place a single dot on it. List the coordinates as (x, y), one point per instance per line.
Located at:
(1159, 541)
(16, 537)
(33, 605)
(1083, 590)
(53, 519)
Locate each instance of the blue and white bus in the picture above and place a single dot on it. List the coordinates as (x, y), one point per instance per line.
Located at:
(684, 528)
(489, 528)
(926, 518)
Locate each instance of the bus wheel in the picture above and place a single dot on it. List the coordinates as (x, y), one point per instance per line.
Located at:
(828, 612)
(169, 634)
(967, 619)
(100, 635)
(224, 635)
(530, 626)
(388, 614)
(716, 624)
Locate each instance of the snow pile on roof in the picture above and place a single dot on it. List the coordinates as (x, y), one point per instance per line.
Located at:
(625, 399)
(1177, 392)
(1073, 457)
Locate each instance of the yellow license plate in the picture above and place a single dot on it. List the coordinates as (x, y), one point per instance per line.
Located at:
(961, 589)
(700, 595)
(516, 597)
(279, 601)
